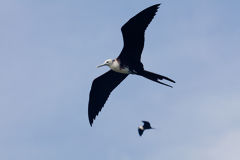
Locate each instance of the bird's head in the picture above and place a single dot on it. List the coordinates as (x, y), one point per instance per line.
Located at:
(108, 62)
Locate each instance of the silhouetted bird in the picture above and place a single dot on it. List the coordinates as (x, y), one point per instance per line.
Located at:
(146, 125)
(128, 62)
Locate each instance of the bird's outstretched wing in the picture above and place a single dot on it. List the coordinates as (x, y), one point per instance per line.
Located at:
(100, 91)
(140, 131)
(133, 35)
(146, 124)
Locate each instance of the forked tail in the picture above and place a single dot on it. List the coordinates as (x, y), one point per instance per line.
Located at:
(155, 77)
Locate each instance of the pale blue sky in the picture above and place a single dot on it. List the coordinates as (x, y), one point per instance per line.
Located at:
(49, 51)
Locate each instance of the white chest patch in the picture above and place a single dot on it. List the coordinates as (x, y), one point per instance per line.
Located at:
(116, 67)
(141, 127)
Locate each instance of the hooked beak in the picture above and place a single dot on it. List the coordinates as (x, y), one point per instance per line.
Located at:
(101, 65)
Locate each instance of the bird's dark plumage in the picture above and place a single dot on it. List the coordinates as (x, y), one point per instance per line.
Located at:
(140, 131)
(133, 35)
(100, 91)
(146, 125)
(155, 77)
(130, 57)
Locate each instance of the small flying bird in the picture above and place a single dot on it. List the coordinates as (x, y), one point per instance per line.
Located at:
(128, 62)
(146, 125)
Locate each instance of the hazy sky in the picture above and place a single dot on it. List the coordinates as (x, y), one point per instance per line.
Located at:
(49, 51)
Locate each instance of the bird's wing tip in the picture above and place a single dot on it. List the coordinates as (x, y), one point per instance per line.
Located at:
(158, 5)
(91, 121)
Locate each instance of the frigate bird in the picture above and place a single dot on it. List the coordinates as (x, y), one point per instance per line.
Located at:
(128, 62)
(146, 125)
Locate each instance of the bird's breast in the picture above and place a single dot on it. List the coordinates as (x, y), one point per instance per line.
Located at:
(141, 127)
(117, 68)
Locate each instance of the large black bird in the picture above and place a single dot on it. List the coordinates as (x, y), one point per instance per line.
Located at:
(128, 62)
(146, 125)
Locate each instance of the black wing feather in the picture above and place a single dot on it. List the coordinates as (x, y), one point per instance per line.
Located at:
(146, 125)
(133, 35)
(100, 91)
(140, 132)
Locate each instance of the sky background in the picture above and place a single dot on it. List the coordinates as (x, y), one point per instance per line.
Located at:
(49, 51)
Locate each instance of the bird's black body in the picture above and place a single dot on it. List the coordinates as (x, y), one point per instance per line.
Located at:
(146, 125)
(130, 57)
